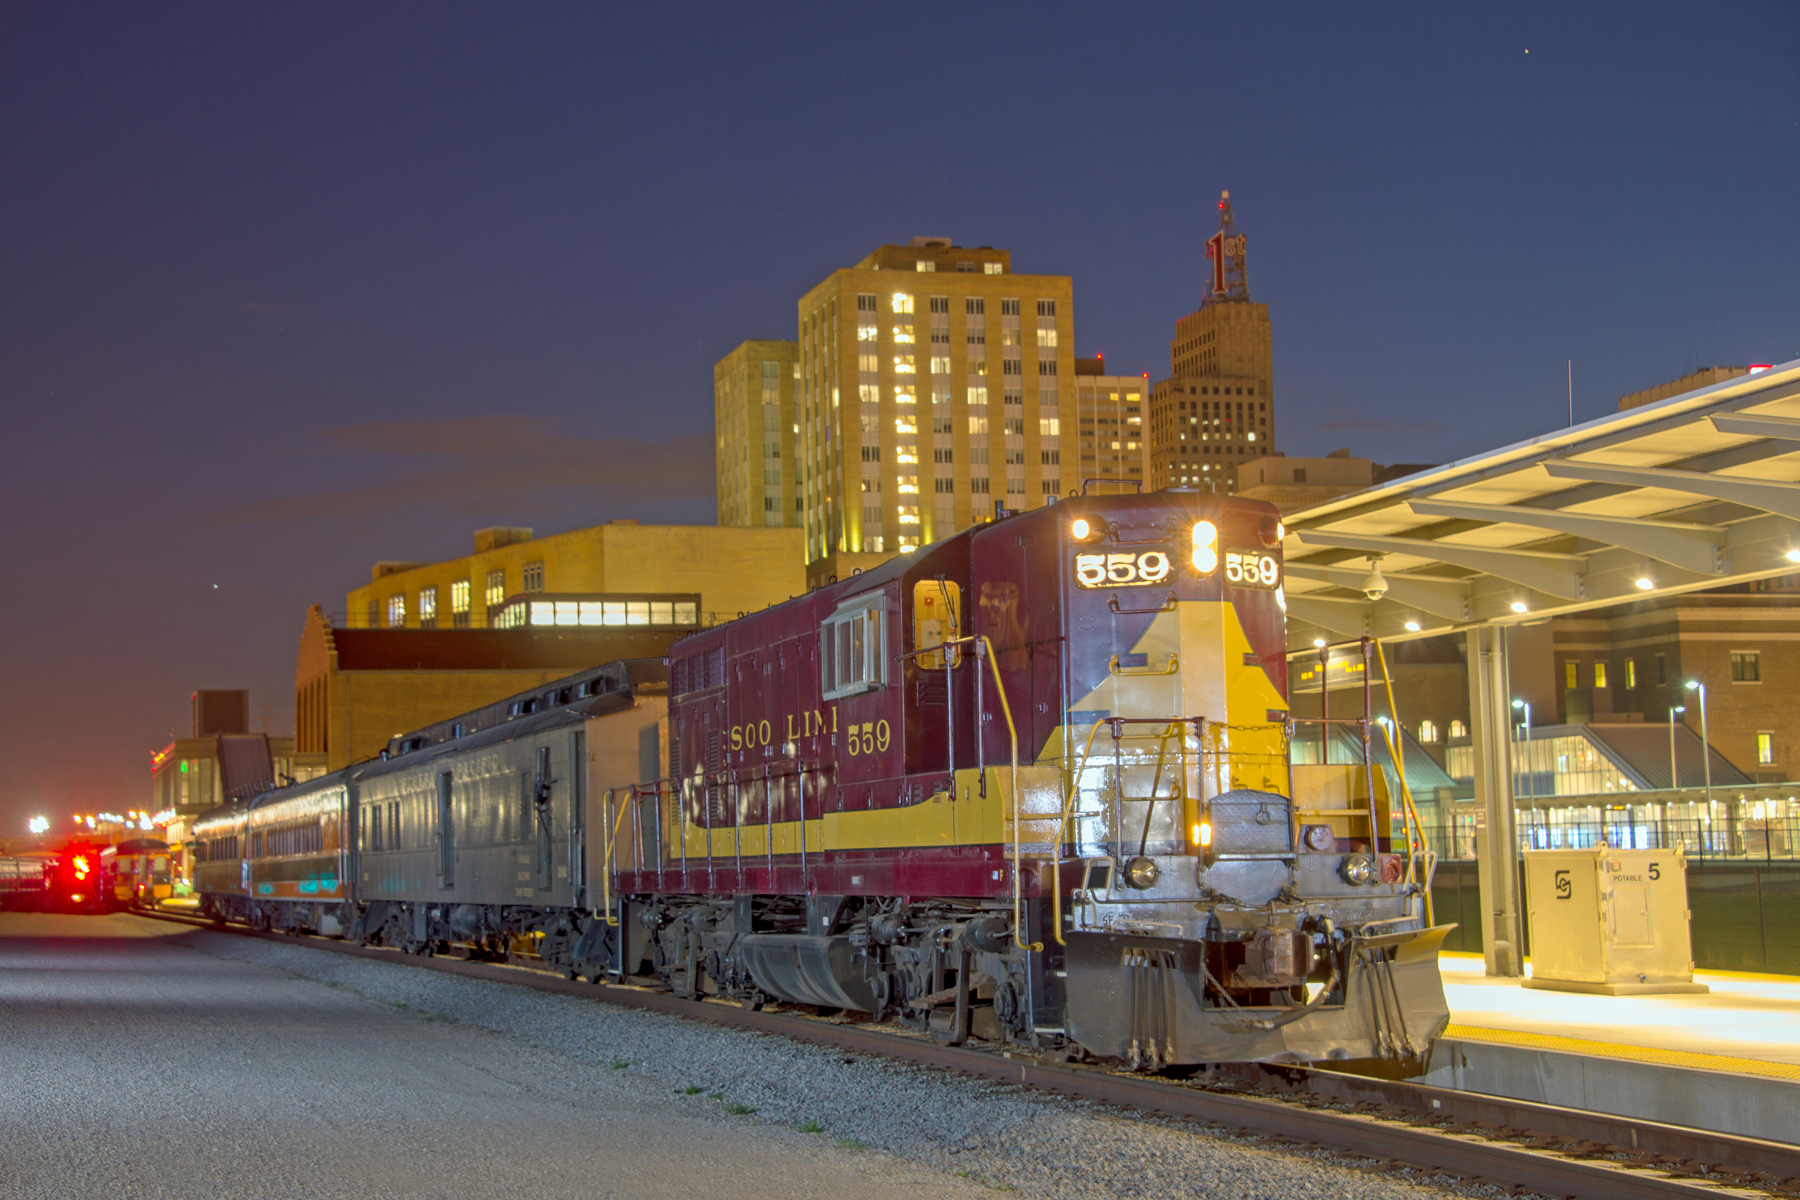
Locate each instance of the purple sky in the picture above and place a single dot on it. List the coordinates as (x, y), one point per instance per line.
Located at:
(285, 290)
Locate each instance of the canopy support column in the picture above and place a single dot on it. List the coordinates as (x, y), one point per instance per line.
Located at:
(1490, 728)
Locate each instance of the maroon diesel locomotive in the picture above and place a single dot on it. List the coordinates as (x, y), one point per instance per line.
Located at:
(1031, 783)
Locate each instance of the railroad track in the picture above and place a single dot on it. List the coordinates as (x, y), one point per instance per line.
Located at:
(1519, 1144)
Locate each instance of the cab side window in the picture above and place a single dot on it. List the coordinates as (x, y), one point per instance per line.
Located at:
(853, 647)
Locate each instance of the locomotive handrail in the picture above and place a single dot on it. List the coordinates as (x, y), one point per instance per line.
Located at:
(1412, 809)
(1138, 483)
(1173, 668)
(612, 842)
(1168, 605)
(1063, 823)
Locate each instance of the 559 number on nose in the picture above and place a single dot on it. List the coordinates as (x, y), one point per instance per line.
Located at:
(1123, 569)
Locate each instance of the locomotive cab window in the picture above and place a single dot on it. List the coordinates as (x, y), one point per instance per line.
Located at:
(852, 647)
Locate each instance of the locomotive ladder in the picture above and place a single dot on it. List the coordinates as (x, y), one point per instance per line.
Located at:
(983, 650)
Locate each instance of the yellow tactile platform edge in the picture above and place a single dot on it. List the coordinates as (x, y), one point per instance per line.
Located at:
(1645, 1054)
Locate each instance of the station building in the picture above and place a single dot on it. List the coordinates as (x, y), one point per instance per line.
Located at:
(730, 569)
(423, 642)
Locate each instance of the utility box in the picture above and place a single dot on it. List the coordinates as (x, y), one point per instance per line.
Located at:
(1612, 922)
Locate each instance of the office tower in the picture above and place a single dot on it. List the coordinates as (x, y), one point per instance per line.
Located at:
(934, 388)
(1217, 409)
(1110, 441)
(754, 419)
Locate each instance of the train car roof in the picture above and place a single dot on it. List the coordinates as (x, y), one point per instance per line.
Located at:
(625, 675)
(521, 727)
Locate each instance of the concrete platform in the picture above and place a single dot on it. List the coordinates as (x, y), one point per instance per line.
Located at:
(1728, 1059)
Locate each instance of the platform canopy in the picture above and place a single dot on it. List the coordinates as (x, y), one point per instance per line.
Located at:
(1696, 491)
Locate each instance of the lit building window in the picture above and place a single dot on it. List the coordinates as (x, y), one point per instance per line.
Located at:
(396, 611)
(1599, 674)
(459, 597)
(1428, 732)
(1571, 675)
(428, 608)
(992, 268)
(1631, 672)
(1458, 730)
(903, 365)
(902, 303)
(496, 588)
(903, 334)
(1765, 748)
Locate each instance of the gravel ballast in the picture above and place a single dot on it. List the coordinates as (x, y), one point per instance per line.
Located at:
(1007, 1138)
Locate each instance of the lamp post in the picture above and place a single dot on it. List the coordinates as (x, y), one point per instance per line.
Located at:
(1662, 830)
(1674, 783)
(1526, 723)
(1694, 685)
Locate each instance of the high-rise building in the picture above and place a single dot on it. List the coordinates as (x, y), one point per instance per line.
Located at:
(1109, 441)
(755, 417)
(934, 388)
(1217, 408)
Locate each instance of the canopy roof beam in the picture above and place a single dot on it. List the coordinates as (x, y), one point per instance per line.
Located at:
(1563, 575)
(1448, 598)
(1769, 495)
(1697, 548)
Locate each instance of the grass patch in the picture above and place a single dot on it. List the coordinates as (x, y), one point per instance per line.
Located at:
(619, 1064)
(850, 1143)
(811, 1126)
(739, 1110)
(691, 1090)
(399, 1004)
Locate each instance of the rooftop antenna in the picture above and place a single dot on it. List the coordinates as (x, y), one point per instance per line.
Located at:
(1571, 375)
(1225, 250)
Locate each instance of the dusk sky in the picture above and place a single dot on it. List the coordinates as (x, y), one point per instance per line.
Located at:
(285, 290)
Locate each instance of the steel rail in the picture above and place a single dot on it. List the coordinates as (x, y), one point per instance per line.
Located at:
(1455, 1151)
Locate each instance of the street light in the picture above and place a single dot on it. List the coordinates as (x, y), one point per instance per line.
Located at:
(38, 824)
(1673, 778)
(1694, 685)
(1530, 784)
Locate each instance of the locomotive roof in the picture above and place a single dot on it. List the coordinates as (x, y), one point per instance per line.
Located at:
(899, 566)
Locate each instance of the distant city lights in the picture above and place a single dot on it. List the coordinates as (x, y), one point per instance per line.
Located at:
(130, 820)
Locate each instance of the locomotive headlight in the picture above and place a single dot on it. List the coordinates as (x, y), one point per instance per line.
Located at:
(1358, 869)
(1205, 534)
(1086, 529)
(1203, 834)
(1206, 541)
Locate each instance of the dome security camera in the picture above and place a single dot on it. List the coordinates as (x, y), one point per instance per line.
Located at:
(1373, 585)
